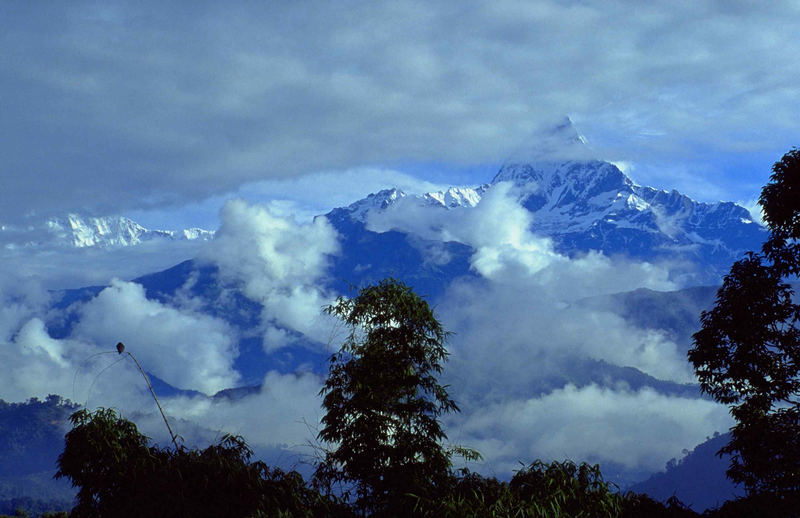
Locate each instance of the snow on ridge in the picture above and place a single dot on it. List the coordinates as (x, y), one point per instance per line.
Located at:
(573, 196)
(376, 201)
(77, 231)
(456, 196)
(451, 198)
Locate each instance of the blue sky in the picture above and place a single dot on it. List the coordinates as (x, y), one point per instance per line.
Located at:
(161, 112)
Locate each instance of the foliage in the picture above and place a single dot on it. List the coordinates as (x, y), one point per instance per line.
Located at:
(747, 353)
(469, 496)
(120, 475)
(383, 400)
(542, 490)
(26, 506)
(640, 506)
(572, 489)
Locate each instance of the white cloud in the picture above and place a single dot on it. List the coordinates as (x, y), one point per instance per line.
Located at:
(64, 268)
(510, 337)
(521, 324)
(285, 412)
(181, 347)
(279, 263)
(317, 193)
(299, 198)
(514, 324)
(638, 430)
(37, 364)
(186, 349)
(756, 212)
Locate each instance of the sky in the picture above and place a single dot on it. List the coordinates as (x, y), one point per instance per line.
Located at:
(252, 117)
(162, 112)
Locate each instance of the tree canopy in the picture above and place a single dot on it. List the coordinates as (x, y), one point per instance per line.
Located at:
(119, 474)
(383, 399)
(747, 352)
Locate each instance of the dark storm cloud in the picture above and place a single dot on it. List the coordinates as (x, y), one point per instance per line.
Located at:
(111, 107)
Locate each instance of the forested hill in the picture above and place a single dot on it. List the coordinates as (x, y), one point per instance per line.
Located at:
(31, 438)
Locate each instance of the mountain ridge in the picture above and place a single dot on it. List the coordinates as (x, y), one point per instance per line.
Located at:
(592, 205)
(78, 231)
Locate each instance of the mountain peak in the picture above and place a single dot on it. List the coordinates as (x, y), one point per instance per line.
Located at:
(565, 131)
(553, 143)
(588, 176)
(378, 200)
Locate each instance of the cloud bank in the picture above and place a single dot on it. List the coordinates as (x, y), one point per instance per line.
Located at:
(638, 430)
(183, 348)
(133, 105)
(278, 263)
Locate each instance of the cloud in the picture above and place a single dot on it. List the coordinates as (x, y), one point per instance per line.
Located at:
(130, 106)
(280, 264)
(516, 323)
(181, 347)
(755, 210)
(300, 197)
(529, 294)
(63, 268)
(510, 341)
(319, 192)
(285, 412)
(37, 364)
(638, 430)
(186, 349)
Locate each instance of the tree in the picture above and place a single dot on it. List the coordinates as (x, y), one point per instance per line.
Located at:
(747, 352)
(119, 475)
(383, 399)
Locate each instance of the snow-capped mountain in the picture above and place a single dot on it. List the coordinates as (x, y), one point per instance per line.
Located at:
(592, 205)
(74, 230)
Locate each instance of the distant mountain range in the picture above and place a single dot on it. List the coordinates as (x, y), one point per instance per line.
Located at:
(74, 230)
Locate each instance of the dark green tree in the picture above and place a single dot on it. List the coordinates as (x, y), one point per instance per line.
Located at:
(383, 401)
(118, 474)
(747, 352)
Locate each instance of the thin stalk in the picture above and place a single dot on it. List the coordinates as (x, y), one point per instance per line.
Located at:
(153, 392)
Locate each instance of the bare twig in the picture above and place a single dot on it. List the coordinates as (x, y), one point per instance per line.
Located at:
(121, 349)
